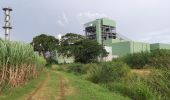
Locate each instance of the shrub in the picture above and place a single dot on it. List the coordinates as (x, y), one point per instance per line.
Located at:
(107, 72)
(75, 68)
(137, 60)
(160, 58)
(153, 87)
(159, 82)
(156, 58)
(137, 90)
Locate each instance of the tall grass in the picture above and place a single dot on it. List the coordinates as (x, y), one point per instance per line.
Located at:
(107, 72)
(18, 63)
(156, 58)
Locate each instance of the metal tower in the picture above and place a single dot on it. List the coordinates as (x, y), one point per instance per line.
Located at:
(7, 25)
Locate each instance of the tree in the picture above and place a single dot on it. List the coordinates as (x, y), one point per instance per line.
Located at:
(86, 51)
(67, 43)
(82, 49)
(45, 43)
(70, 39)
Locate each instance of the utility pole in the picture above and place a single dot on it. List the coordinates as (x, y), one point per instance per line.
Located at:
(7, 25)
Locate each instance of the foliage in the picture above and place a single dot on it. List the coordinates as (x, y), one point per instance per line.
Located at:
(160, 58)
(156, 58)
(18, 63)
(44, 43)
(71, 38)
(87, 51)
(136, 89)
(155, 86)
(83, 50)
(137, 60)
(75, 68)
(107, 72)
(19, 92)
(89, 91)
(67, 43)
(159, 82)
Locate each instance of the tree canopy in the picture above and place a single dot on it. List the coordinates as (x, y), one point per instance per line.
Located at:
(67, 43)
(71, 38)
(84, 50)
(44, 43)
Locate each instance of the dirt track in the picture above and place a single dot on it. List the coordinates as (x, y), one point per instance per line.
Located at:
(35, 94)
(61, 96)
(44, 92)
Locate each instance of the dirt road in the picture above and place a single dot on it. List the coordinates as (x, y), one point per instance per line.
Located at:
(54, 87)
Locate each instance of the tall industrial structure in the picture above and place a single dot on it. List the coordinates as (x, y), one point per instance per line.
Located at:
(104, 32)
(7, 25)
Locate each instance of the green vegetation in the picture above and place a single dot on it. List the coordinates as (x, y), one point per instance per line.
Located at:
(155, 58)
(18, 63)
(85, 90)
(107, 72)
(86, 80)
(60, 85)
(43, 44)
(117, 77)
(83, 50)
(87, 51)
(20, 92)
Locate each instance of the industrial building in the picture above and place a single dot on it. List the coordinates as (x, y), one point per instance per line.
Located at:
(160, 46)
(104, 32)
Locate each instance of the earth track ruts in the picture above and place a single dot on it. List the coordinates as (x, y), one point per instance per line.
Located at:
(38, 88)
(62, 89)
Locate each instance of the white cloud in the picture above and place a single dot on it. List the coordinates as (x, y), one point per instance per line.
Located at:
(162, 36)
(60, 22)
(92, 15)
(65, 18)
(84, 17)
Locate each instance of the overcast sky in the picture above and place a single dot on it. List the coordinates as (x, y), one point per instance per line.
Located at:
(139, 20)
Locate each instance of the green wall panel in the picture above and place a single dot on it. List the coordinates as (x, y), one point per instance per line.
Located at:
(160, 46)
(139, 47)
(121, 48)
(108, 22)
(98, 31)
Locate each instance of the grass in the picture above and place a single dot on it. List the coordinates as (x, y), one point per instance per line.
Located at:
(85, 90)
(152, 84)
(75, 88)
(18, 63)
(19, 92)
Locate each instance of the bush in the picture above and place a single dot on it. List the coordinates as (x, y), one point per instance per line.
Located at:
(137, 90)
(156, 58)
(153, 87)
(159, 82)
(160, 58)
(107, 72)
(137, 60)
(50, 61)
(75, 68)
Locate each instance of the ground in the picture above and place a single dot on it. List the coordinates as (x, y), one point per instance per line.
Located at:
(58, 85)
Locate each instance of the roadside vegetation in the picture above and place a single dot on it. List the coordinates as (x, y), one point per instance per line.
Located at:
(122, 75)
(139, 76)
(18, 64)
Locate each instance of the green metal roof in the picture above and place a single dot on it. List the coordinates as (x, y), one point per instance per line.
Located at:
(105, 21)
